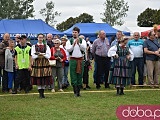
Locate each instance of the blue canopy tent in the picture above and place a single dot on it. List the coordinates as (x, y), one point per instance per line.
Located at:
(91, 30)
(30, 28)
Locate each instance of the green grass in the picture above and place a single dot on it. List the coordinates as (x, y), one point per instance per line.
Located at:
(63, 106)
(93, 105)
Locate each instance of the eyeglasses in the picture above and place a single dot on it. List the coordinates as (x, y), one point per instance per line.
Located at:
(56, 43)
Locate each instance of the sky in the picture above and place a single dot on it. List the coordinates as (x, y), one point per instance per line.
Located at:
(73, 8)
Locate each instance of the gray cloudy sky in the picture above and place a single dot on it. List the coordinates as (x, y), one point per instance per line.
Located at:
(73, 8)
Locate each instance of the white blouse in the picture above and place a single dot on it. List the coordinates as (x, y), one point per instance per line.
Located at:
(112, 52)
(46, 55)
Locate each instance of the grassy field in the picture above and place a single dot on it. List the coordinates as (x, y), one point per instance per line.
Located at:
(92, 105)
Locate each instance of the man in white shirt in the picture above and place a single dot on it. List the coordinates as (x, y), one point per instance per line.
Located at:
(76, 48)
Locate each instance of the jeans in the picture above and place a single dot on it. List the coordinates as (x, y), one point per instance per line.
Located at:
(65, 76)
(137, 63)
(10, 79)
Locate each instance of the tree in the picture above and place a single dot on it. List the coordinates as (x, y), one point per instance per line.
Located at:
(148, 18)
(82, 18)
(114, 12)
(66, 24)
(16, 9)
(49, 13)
(157, 17)
(23, 9)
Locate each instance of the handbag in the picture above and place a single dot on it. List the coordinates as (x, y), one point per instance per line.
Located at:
(66, 63)
(52, 62)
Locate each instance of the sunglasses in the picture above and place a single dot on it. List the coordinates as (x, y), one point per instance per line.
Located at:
(56, 43)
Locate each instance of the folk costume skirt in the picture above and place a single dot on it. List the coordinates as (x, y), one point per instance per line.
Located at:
(120, 72)
(41, 72)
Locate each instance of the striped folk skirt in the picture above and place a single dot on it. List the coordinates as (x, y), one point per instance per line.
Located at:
(120, 72)
(41, 72)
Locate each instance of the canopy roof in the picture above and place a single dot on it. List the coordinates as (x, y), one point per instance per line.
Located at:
(145, 33)
(28, 27)
(90, 29)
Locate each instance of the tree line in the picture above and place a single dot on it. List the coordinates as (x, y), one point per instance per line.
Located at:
(114, 12)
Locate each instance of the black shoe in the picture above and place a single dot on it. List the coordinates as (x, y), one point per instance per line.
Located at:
(98, 87)
(43, 93)
(14, 92)
(121, 93)
(26, 91)
(78, 90)
(84, 88)
(117, 91)
(88, 87)
(107, 86)
(64, 87)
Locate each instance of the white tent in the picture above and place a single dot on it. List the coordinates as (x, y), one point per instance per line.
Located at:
(132, 29)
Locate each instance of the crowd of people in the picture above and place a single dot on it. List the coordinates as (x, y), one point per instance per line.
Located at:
(116, 61)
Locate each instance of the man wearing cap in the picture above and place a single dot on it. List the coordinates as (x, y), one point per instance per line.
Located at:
(3, 46)
(76, 48)
(65, 82)
(23, 62)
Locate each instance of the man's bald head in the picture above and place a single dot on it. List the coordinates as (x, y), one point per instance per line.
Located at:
(49, 37)
(136, 35)
(102, 34)
(6, 37)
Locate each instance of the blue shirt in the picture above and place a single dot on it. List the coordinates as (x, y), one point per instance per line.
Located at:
(136, 47)
(152, 45)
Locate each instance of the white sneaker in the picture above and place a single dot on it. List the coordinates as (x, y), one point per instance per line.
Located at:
(144, 83)
(60, 90)
(53, 90)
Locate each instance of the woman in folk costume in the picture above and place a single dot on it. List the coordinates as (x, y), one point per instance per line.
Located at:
(41, 70)
(120, 71)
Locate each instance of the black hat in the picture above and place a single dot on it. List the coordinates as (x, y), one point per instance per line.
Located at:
(22, 37)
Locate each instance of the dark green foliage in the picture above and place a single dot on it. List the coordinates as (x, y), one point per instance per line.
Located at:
(16, 9)
(148, 18)
(82, 18)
